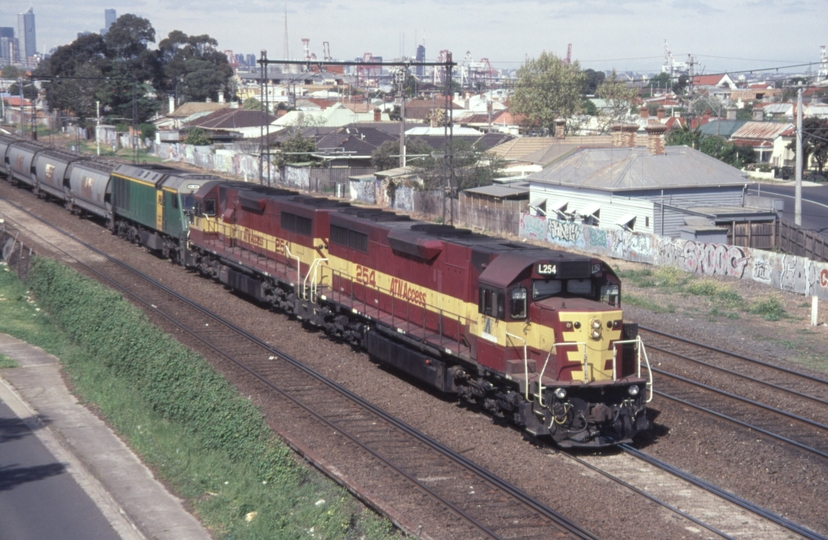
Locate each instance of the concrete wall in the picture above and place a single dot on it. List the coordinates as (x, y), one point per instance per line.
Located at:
(784, 272)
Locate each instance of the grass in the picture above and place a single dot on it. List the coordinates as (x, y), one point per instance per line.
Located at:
(244, 490)
(6, 362)
(725, 300)
(640, 301)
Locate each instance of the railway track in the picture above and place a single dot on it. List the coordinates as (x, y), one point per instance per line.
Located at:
(789, 406)
(403, 519)
(425, 488)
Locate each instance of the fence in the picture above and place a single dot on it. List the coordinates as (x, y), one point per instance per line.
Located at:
(753, 234)
(795, 240)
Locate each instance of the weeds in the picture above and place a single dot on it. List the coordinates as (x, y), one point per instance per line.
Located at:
(770, 309)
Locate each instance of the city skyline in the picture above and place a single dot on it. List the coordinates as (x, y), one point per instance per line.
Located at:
(622, 35)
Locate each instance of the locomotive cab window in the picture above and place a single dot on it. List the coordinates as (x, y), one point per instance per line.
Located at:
(611, 294)
(546, 288)
(579, 287)
(518, 303)
(492, 303)
(209, 207)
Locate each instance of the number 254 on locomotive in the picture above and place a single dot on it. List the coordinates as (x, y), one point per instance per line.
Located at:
(533, 335)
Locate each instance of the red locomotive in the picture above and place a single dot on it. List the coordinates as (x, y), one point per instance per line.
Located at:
(531, 334)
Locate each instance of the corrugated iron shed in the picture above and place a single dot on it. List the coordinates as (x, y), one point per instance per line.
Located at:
(627, 169)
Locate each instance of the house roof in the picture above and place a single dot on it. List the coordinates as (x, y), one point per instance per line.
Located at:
(502, 191)
(231, 119)
(712, 80)
(723, 128)
(760, 130)
(191, 108)
(628, 169)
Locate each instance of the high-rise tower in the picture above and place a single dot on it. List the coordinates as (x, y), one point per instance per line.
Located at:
(26, 36)
(109, 18)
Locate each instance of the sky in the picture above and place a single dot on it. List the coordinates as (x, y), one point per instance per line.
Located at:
(625, 35)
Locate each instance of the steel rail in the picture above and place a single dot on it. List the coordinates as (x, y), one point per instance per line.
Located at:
(519, 495)
(737, 374)
(736, 355)
(744, 424)
(742, 399)
(653, 498)
(730, 497)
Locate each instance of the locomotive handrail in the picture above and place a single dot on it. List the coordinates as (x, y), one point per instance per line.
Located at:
(539, 395)
(298, 264)
(314, 267)
(639, 347)
(525, 361)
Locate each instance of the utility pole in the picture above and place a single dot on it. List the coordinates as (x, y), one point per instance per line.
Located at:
(402, 76)
(798, 189)
(263, 62)
(22, 121)
(98, 128)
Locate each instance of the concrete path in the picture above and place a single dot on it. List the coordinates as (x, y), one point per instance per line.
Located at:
(132, 500)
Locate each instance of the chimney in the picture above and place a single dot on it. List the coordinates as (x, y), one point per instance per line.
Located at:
(221, 97)
(644, 112)
(172, 104)
(758, 115)
(377, 115)
(731, 113)
(617, 136)
(560, 128)
(655, 139)
(660, 113)
(628, 135)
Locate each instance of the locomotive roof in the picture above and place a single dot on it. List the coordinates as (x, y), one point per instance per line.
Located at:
(170, 176)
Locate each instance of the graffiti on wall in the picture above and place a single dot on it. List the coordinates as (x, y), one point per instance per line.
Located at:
(363, 190)
(564, 232)
(714, 259)
(784, 272)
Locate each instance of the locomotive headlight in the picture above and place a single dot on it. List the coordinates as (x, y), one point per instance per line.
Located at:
(595, 333)
(560, 393)
(633, 390)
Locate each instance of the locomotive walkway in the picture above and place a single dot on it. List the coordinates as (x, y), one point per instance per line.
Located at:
(136, 505)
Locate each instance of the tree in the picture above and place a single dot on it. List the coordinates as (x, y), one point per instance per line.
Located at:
(660, 82)
(472, 168)
(386, 156)
(714, 146)
(10, 71)
(815, 141)
(705, 103)
(252, 104)
(193, 69)
(197, 137)
(547, 89)
(619, 99)
(593, 79)
(296, 149)
(127, 45)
